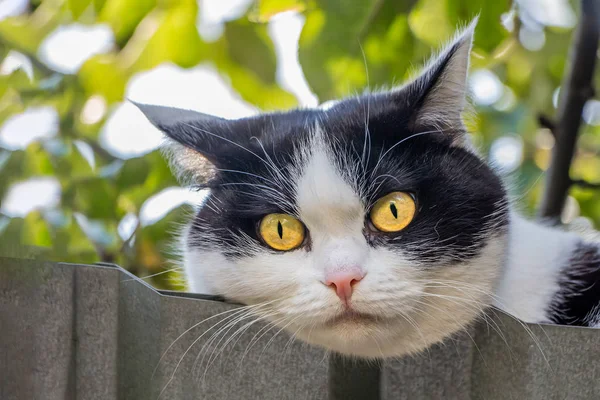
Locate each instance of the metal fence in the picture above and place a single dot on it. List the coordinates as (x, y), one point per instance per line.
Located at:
(96, 332)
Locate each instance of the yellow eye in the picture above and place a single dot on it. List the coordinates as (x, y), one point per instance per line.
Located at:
(281, 231)
(393, 212)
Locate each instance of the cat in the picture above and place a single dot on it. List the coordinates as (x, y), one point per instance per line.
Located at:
(371, 227)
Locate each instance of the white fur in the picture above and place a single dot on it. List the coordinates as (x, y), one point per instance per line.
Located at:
(415, 307)
(333, 212)
(195, 264)
(530, 279)
(525, 274)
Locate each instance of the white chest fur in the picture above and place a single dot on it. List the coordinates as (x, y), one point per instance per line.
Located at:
(530, 279)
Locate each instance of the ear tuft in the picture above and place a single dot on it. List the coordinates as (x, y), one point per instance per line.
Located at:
(190, 167)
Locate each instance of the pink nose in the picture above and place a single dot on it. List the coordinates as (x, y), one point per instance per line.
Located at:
(343, 282)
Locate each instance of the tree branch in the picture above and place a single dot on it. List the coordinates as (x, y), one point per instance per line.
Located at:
(46, 70)
(575, 91)
(546, 122)
(98, 149)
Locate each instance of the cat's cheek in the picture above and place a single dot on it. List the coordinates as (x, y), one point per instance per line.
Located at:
(253, 279)
(199, 275)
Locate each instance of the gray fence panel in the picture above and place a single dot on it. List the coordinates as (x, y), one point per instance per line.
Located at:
(36, 331)
(536, 362)
(442, 372)
(96, 332)
(139, 336)
(96, 325)
(210, 367)
(351, 378)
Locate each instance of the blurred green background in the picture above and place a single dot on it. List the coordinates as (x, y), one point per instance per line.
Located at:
(80, 173)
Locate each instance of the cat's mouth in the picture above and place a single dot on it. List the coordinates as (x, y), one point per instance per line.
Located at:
(351, 316)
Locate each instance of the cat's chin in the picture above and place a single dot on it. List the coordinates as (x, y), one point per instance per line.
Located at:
(367, 336)
(352, 319)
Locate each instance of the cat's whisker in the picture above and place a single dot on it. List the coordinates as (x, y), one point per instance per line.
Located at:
(277, 333)
(328, 169)
(282, 179)
(240, 331)
(397, 144)
(265, 329)
(234, 311)
(292, 338)
(465, 329)
(185, 353)
(273, 193)
(230, 324)
(152, 275)
(239, 335)
(220, 335)
(482, 306)
(366, 147)
(232, 143)
(413, 323)
(235, 171)
(235, 336)
(210, 360)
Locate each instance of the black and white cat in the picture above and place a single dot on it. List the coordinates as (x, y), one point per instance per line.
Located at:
(371, 227)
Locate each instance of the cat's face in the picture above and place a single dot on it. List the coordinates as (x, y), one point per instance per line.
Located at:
(368, 228)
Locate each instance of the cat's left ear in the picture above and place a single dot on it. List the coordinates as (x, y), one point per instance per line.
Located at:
(438, 96)
(197, 142)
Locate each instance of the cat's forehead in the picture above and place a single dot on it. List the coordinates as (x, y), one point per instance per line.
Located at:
(325, 195)
(341, 119)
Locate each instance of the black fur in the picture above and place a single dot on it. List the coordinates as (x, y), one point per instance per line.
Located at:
(578, 300)
(381, 144)
(410, 139)
(459, 198)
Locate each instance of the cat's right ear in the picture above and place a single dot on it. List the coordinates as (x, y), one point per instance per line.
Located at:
(196, 146)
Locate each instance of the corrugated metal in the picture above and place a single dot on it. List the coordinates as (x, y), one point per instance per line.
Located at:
(96, 332)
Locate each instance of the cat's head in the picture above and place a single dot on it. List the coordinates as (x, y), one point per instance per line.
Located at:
(369, 227)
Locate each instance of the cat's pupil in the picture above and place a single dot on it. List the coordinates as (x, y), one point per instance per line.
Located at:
(394, 210)
(280, 229)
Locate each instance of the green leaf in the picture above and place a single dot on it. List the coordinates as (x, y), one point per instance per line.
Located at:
(133, 173)
(249, 45)
(72, 244)
(35, 231)
(10, 236)
(489, 32)
(171, 279)
(25, 32)
(264, 10)
(95, 198)
(158, 177)
(430, 22)
(154, 242)
(103, 75)
(37, 161)
(253, 90)
(78, 7)
(19, 80)
(123, 16)
(175, 39)
(11, 169)
(334, 36)
(70, 163)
